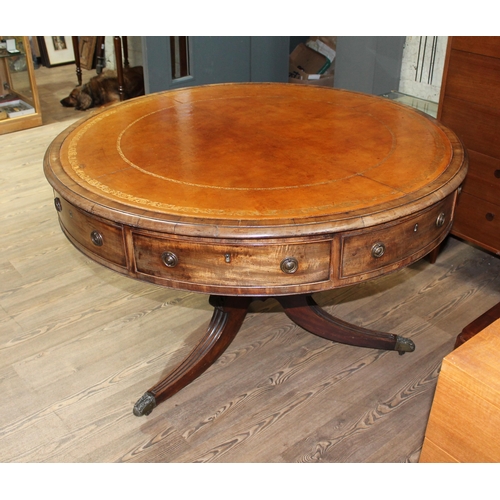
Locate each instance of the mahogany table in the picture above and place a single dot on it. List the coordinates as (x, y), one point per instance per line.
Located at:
(245, 191)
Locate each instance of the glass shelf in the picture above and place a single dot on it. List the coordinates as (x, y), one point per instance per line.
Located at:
(428, 107)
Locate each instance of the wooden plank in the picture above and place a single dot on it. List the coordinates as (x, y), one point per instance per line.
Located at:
(431, 453)
(465, 417)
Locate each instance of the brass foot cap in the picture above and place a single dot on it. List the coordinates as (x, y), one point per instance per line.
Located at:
(404, 345)
(145, 405)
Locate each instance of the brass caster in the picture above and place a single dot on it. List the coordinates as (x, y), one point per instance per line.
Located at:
(404, 345)
(145, 405)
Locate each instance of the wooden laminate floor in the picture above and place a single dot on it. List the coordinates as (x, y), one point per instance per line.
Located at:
(79, 344)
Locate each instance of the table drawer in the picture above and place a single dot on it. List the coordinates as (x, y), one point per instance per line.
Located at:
(232, 264)
(478, 220)
(370, 252)
(90, 234)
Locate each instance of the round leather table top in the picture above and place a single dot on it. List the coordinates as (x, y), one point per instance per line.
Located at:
(257, 154)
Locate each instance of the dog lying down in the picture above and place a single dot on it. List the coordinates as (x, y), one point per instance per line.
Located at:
(103, 89)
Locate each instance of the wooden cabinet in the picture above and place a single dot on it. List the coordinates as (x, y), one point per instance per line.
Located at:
(19, 102)
(470, 106)
(464, 423)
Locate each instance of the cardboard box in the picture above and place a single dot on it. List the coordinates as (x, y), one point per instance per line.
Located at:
(308, 60)
(301, 78)
(309, 67)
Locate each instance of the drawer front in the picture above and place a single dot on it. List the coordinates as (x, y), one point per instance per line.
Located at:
(478, 220)
(371, 252)
(477, 126)
(485, 45)
(483, 177)
(179, 261)
(474, 78)
(92, 235)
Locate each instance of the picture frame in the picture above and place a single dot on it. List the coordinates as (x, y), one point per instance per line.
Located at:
(87, 46)
(56, 50)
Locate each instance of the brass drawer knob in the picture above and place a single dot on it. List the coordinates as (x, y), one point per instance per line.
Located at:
(378, 249)
(441, 218)
(96, 238)
(169, 259)
(289, 265)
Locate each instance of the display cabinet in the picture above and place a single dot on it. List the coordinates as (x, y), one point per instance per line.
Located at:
(19, 102)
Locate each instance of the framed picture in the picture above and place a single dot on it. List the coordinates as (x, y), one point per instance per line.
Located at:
(56, 50)
(87, 50)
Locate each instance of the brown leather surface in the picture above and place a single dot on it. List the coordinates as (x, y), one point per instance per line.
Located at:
(257, 152)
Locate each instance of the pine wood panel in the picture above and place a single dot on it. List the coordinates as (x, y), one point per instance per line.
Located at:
(465, 416)
(434, 454)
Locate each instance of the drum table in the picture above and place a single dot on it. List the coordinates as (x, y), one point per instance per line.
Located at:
(245, 191)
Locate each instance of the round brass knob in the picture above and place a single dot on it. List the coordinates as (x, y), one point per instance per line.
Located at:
(289, 265)
(378, 249)
(169, 259)
(57, 203)
(441, 218)
(96, 238)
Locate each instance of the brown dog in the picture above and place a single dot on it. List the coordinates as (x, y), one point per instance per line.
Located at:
(103, 89)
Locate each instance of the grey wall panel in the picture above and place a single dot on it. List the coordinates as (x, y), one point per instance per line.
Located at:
(269, 58)
(370, 64)
(218, 59)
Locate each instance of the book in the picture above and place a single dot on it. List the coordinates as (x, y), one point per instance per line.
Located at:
(16, 108)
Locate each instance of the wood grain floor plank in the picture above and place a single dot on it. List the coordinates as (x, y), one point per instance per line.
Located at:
(348, 437)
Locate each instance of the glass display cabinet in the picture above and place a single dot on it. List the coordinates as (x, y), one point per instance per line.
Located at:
(19, 102)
